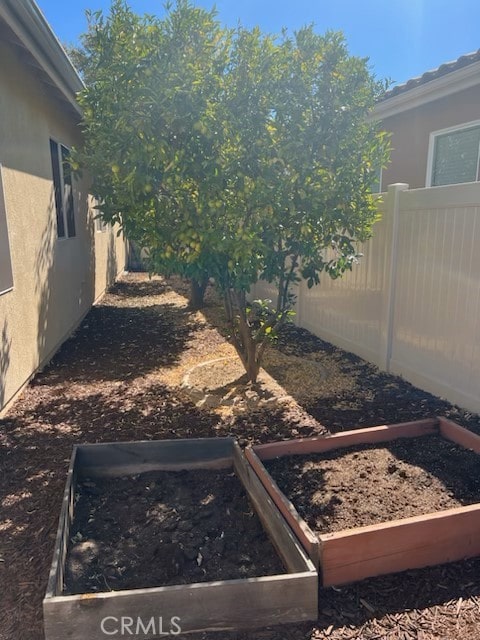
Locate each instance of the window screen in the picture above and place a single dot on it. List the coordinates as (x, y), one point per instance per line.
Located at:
(68, 192)
(57, 186)
(63, 190)
(455, 157)
(6, 277)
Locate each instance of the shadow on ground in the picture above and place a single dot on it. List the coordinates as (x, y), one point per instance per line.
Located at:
(96, 389)
(370, 397)
(121, 343)
(353, 393)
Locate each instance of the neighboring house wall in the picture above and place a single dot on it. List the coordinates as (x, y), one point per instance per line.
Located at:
(411, 131)
(412, 304)
(55, 281)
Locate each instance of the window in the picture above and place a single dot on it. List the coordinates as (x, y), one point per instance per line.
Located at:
(6, 277)
(454, 155)
(62, 184)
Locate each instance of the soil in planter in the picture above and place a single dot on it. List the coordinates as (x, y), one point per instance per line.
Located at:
(368, 484)
(165, 528)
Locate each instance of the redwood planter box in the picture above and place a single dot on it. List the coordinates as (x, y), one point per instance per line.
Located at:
(353, 554)
(229, 604)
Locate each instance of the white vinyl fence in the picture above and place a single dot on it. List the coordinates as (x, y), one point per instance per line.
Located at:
(412, 304)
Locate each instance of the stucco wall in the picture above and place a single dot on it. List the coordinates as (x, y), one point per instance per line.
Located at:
(411, 132)
(55, 279)
(110, 257)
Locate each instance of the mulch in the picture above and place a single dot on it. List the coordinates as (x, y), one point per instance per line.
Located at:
(106, 384)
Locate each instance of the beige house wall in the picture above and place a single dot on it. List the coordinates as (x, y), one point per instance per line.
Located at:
(110, 257)
(411, 134)
(55, 280)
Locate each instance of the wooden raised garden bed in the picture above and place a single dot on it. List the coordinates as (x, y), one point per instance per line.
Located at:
(288, 596)
(387, 547)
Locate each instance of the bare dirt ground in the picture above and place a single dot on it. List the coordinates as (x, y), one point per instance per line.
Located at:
(368, 484)
(120, 378)
(165, 528)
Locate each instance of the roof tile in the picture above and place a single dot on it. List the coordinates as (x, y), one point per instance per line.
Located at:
(428, 76)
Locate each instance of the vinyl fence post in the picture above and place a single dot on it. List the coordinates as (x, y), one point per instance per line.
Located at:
(391, 259)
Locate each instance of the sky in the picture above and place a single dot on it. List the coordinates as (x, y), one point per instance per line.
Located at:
(401, 38)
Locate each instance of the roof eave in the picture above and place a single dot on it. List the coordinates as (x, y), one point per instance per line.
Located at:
(428, 92)
(26, 20)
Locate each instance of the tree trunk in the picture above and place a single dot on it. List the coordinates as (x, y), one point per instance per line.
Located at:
(251, 365)
(197, 293)
(241, 336)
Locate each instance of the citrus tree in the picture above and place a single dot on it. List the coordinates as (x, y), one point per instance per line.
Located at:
(232, 154)
(151, 144)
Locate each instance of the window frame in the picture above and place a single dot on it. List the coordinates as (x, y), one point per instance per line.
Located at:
(431, 151)
(8, 253)
(60, 147)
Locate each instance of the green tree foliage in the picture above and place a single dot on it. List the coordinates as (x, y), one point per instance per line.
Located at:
(231, 154)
